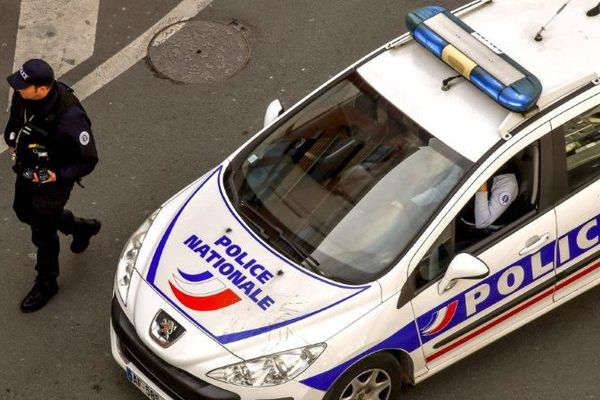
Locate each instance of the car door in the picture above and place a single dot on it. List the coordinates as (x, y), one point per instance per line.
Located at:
(520, 258)
(577, 138)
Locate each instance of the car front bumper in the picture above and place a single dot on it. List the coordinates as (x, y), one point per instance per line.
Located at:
(176, 383)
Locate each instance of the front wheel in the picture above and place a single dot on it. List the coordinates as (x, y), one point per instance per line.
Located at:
(378, 377)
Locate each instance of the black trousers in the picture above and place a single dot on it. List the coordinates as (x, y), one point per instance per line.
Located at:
(42, 206)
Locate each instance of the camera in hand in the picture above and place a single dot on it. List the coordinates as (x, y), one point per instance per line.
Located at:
(37, 164)
(42, 174)
(31, 153)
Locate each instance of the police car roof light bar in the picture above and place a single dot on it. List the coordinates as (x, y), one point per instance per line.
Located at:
(459, 12)
(474, 57)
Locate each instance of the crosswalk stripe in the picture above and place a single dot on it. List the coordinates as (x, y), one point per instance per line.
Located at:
(62, 32)
(137, 49)
(118, 63)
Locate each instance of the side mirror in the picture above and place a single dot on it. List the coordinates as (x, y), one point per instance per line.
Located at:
(274, 110)
(463, 266)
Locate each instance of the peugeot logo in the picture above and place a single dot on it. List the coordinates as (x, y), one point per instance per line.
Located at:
(165, 330)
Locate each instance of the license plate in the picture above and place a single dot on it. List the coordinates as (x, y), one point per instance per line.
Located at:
(144, 385)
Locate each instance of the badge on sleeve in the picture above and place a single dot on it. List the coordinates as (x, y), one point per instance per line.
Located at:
(504, 198)
(84, 138)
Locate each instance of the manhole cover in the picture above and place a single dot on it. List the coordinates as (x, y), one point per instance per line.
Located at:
(198, 52)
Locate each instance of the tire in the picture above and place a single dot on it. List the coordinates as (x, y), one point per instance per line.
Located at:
(377, 377)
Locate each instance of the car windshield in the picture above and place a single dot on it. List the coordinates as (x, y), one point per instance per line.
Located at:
(343, 186)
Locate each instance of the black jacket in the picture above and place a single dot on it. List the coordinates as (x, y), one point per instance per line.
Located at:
(57, 123)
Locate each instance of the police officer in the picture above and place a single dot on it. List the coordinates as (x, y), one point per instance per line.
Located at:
(489, 207)
(49, 136)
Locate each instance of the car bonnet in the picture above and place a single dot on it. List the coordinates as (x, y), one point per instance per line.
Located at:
(226, 280)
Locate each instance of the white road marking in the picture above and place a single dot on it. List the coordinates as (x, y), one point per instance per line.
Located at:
(128, 56)
(137, 49)
(61, 32)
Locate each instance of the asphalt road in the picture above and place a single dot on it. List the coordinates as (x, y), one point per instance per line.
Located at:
(155, 136)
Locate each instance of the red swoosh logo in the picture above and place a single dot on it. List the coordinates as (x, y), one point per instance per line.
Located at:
(206, 303)
(449, 315)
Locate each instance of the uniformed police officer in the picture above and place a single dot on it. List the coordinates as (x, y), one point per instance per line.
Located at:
(489, 207)
(49, 136)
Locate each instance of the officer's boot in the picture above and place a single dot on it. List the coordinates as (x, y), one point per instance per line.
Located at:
(42, 291)
(83, 230)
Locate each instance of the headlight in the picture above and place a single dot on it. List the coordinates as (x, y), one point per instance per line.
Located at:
(129, 257)
(271, 370)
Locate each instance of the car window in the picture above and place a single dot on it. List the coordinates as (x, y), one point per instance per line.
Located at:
(343, 186)
(515, 183)
(437, 259)
(582, 148)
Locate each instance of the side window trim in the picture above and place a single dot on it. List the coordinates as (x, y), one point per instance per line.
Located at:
(559, 191)
(547, 185)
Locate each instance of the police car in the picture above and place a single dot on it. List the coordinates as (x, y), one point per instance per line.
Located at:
(336, 255)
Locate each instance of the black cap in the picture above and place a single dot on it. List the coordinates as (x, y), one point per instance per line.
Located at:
(33, 72)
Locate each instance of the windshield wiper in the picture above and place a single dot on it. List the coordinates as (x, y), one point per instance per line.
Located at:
(306, 258)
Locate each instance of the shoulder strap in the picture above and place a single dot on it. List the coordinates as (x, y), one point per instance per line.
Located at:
(17, 103)
(66, 99)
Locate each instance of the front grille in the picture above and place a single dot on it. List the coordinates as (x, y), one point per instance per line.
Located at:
(175, 382)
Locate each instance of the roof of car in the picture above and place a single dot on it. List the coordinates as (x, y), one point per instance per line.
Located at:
(464, 117)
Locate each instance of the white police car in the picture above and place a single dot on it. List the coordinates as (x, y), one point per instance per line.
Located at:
(335, 255)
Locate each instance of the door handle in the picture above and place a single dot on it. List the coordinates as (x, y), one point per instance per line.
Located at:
(534, 243)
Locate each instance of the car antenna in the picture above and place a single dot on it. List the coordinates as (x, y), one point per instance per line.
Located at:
(446, 82)
(538, 37)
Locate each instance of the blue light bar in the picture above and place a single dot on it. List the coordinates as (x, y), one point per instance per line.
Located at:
(474, 57)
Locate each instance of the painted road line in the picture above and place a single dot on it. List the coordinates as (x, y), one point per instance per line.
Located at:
(136, 50)
(61, 32)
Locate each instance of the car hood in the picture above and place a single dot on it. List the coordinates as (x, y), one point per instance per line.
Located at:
(226, 280)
